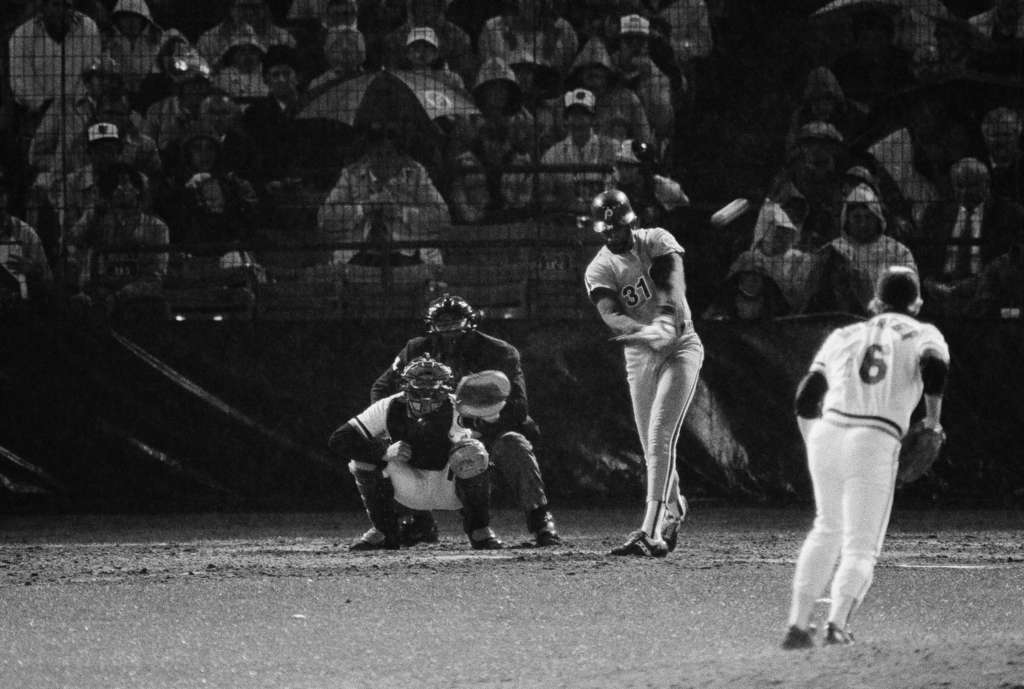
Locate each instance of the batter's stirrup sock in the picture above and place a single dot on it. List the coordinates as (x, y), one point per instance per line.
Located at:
(654, 516)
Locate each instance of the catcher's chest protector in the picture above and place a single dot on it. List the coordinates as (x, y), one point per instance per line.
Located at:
(428, 435)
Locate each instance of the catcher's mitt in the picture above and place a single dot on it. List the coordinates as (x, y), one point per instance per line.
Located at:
(920, 449)
(469, 458)
(482, 395)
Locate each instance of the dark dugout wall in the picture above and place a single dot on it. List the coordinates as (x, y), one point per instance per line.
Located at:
(185, 416)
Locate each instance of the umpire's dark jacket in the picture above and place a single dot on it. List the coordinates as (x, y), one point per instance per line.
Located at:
(474, 351)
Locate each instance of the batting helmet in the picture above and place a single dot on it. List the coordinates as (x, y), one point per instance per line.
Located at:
(448, 313)
(613, 218)
(898, 289)
(426, 384)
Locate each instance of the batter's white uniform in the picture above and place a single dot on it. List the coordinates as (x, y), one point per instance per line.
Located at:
(661, 384)
(418, 489)
(874, 384)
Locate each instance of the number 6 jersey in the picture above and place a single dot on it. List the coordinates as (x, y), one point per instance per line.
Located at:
(873, 371)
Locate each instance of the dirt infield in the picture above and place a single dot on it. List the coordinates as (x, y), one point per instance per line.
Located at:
(272, 600)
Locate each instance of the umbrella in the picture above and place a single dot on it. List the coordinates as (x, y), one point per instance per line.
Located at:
(387, 96)
(929, 8)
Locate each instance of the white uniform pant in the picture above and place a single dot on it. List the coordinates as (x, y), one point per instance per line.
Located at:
(853, 470)
(420, 489)
(661, 386)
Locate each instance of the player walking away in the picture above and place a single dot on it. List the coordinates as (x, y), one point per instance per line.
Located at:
(432, 461)
(853, 408)
(636, 282)
(452, 338)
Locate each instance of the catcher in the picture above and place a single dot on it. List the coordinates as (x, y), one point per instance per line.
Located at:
(499, 417)
(853, 409)
(432, 461)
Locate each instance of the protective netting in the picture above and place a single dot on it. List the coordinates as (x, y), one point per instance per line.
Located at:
(323, 159)
(212, 417)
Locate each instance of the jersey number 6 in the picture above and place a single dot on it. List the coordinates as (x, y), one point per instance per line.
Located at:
(873, 367)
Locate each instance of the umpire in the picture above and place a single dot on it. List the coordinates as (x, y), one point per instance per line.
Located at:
(453, 339)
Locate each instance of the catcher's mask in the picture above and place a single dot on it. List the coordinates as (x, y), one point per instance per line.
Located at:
(898, 289)
(426, 384)
(612, 217)
(450, 314)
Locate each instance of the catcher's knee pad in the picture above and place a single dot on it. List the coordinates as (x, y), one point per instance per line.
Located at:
(468, 458)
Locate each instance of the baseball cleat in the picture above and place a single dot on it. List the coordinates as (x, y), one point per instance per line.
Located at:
(418, 528)
(834, 636)
(374, 539)
(548, 537)
(797, 638)
(640, 545)
(489, 541)
(673, 520)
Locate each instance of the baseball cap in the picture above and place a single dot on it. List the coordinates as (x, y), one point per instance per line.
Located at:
(634, 24)
(102, 131)
(581, 98)
(422, 33)
(245, 35)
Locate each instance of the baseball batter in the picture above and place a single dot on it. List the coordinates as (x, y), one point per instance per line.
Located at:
(636, 282)
(853, 408)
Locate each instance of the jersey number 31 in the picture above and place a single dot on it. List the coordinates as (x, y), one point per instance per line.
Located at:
(631, 294)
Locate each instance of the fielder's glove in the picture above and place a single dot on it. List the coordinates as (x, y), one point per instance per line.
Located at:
(657, 335)
(482, 395)
(920, 449)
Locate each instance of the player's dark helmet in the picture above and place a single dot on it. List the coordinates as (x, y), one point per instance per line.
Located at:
(450, 313)
(612, 217)
(898, 289)
(426, 384)
(612, 209)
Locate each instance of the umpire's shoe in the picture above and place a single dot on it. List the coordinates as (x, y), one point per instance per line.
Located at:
(374, 539)
(485, 539)
(540, 523)
(797, 638)
(834, 636)
(640, 544)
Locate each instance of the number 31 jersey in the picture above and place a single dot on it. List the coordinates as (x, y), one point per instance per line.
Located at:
(629, 274)
(873, 370)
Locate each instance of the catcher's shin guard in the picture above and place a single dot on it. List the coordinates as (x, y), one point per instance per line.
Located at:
(378, 497)
(475, 494)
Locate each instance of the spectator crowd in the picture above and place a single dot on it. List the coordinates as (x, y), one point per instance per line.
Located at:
(141, 136)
